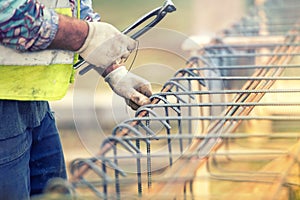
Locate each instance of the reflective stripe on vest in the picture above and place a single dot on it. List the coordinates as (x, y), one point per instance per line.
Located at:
(44, 75)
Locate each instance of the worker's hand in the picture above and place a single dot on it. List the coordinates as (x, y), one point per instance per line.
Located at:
(105, 44)
(133, 88)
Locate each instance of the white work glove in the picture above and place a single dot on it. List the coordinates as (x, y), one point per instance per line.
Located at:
(133, 88)
(105, 45)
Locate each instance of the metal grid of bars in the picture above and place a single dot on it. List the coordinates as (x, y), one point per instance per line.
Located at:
(225, 126)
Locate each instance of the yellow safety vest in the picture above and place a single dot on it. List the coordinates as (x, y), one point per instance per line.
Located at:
(44, 75)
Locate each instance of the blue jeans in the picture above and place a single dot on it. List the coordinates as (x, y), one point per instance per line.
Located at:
(29, 160)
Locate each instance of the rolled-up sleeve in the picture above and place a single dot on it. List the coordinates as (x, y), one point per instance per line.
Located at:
(27, 25)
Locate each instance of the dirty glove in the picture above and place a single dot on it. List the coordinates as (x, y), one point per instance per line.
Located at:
(133, 88)
(104, 45)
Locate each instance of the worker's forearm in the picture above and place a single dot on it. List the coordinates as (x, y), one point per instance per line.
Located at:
(31, 26)
(70, 35)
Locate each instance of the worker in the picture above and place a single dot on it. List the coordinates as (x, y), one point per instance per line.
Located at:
(37, 46)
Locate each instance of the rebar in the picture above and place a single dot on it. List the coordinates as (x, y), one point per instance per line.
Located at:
(198, 131)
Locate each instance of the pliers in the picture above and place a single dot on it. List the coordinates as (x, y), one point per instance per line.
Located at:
(158, 14)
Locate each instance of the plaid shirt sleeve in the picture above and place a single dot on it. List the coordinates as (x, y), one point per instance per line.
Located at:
(27, 25)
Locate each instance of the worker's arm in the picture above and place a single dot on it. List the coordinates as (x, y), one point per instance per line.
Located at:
(29, 26)
(71, 34)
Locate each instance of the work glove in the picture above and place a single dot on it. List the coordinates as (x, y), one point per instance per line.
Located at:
(105, 45)
(133, 88)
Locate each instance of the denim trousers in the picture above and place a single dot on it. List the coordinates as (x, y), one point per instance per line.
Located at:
(29, 160)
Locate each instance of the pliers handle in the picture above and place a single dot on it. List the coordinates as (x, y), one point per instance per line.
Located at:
(159, 13)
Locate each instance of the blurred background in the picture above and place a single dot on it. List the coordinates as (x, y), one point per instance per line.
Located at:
(192, 16)
(90, 110)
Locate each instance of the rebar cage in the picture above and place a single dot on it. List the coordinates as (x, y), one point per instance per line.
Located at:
(226, 126)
